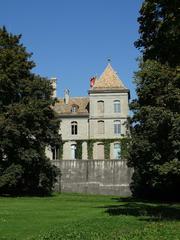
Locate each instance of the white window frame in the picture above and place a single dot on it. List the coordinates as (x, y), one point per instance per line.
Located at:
(74, 128)
(73, 151)
(74, 108)
(117, 127)
(117, 106)
(117, 150)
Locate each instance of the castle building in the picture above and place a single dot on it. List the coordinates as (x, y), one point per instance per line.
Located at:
(88, 123)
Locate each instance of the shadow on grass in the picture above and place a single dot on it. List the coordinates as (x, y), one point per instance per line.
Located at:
(145, 210)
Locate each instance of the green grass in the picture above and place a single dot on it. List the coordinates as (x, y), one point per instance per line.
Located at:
(75, 216)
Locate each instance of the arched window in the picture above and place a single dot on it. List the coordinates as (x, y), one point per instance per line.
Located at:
(117, 127)
(101, 127)
(117, 151)
(117, 107)
(74, 128)
(100, 151)
(73, 151)
(100, 106)
(55, 152)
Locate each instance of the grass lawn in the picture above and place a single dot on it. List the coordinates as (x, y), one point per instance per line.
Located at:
(75, 216)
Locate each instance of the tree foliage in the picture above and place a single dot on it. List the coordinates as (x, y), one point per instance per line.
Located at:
(160, 31)
(155, 149)
(27, 122)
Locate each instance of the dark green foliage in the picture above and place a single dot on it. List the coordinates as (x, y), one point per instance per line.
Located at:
(79, 149)
(155, 149)
(125, 143)
(90, 144)
(27, 122)
(60, 148)
(107, 143)
(160, 31)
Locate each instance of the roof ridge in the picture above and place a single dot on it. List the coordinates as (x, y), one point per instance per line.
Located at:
(108, 66)
(73, 97)
(80, 97)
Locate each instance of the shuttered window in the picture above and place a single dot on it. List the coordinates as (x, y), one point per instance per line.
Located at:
(100, 106)
(101, 127)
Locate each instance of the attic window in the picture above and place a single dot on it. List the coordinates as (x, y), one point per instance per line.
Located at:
(74, 108)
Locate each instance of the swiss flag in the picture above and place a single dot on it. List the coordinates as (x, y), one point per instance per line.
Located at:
(92, 81)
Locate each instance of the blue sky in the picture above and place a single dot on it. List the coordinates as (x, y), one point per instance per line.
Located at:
(72, 39)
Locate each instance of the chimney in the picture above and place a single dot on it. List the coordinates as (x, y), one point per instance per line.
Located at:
(66, 96)
(54, 83)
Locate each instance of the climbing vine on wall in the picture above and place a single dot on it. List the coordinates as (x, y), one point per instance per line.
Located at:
(124, 142)
(107, 144)
(79, 149)
(90, 144)
(60, 148)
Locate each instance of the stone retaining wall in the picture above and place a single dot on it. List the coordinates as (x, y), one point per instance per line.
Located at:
(106, 177)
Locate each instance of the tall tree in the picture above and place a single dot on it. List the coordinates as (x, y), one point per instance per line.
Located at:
(160, 31)
(155, 149)
(27, 122)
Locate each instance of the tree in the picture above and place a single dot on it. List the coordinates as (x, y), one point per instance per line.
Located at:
(155, 125)
(27, 122)
(160, 31)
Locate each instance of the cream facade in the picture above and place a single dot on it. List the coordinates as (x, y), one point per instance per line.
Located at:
(102, 115)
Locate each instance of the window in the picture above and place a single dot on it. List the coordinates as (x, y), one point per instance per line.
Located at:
(117, 107)
(73, 151)
(100, 106)
(117, 150)
(74, 108)
(100, 151)
(55, 152)
(117, 127)
(101, 127)
(74, 128)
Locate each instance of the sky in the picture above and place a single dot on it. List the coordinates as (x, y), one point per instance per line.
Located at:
(73, 39)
